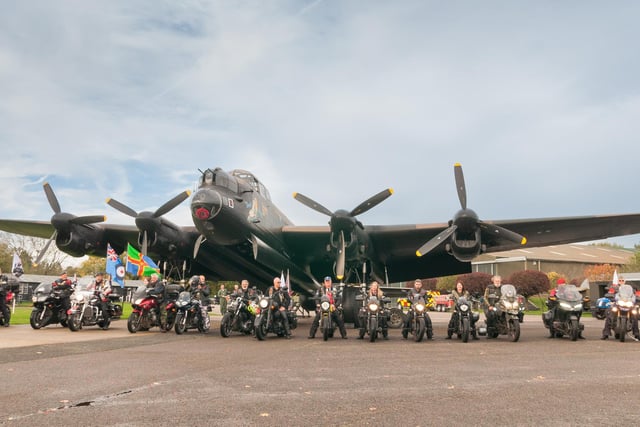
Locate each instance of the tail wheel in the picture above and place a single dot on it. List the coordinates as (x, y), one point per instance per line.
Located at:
(133, 323)
(225, 325)
(465, 329)
(420, 329)
(514, 330)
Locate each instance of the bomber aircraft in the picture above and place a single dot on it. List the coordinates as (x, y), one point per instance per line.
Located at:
(239, 233)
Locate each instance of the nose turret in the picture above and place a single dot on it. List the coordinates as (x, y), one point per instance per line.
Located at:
(205, 204)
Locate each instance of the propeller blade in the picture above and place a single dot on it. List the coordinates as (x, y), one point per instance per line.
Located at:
(436, 241)
(172, 203)
(340, 261)
(196, 247)
(44, 250)
(51, 197)
(312, 204)
(372, 201)
(121, 207)
(144, 242)
(460, 186)
(503, 233)
(88, 219)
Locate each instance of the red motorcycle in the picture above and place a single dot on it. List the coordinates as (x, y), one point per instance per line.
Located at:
(8, 300)
(145, 314)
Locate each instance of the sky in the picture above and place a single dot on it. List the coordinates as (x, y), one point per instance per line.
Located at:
(338, 100)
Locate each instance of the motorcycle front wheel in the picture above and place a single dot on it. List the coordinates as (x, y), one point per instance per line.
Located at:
(574, 330)
(623, 328)
(326, 328)
(514, 330)
(181, 323)
(420, 329)
(39, 318)
(373, 329)
(261, 330)
(133, 323)
(75, 323)
(465, 329)
(225, 325)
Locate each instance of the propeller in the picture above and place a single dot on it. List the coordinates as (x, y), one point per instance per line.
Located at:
(146, 220)
(342, 221)
(467, 220)
(61, 220)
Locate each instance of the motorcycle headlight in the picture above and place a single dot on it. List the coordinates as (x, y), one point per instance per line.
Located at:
(34, 299)
(325, 305)
(264, 303)
(464, 308)
(180, 303)
(625, 304)
(373, 307)
(419, 308)
(578, 307)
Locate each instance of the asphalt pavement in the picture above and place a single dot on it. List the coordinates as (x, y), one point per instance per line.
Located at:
(56, 377)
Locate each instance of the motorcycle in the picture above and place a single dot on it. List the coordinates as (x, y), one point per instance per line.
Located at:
(191, 314)
(47, 307)
(624, 312)
(420, 322)
(602, 306)
(240, 316)
(86, 310)
(327, 325)
(563, 317)
(371, 317)
(266, 323)
(505, 314)
(144, 315)
(465, 320)
(8, 299)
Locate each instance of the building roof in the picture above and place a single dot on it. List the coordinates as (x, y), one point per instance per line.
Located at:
(589, 254)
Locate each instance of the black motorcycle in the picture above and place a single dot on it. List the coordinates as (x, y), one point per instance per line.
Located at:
(47, 306)
(565, 309)
(86, 310)
(372, 317)
(420, 321)
(190, 314)
(624, 312)
(505, 315)
(327, 325)
(240, 316)
(464, 320)
(266, 322)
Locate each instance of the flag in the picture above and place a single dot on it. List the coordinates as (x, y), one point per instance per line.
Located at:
(138, 264)
(615, 277)
(16, 268)
(283, 282)
(114, 266)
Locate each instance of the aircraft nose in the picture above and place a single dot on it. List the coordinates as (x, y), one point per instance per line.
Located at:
(205, 204)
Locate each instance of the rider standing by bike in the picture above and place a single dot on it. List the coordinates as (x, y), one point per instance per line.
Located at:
(413, 295)
(280, 300)
(456, 294)
(491, 297)
(65, 285)
(335, 298)
(103, 289)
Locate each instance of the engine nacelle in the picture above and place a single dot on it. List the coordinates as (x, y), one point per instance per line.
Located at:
(465, 247)
(80, 242)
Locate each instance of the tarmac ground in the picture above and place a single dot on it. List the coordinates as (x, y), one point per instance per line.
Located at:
(53, 376)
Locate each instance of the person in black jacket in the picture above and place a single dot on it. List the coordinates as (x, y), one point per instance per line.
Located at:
(4, 289)
(335, 299)
(280, 300)
(413, 295)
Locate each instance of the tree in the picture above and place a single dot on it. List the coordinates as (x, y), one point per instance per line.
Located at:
(634, 263)
(446, 283)
(476, 282)
(92, 265)
(28, 248)
(600, 272)
(529, 282)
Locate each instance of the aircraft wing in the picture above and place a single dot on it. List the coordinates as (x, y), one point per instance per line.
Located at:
(42, 229)
(561, 230)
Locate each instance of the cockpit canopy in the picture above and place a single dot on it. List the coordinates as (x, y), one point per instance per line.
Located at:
(239, 181)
